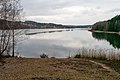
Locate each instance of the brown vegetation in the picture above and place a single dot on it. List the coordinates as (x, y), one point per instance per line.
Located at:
(53, 69)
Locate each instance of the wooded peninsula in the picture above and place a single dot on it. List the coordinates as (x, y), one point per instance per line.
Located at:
(112, 25)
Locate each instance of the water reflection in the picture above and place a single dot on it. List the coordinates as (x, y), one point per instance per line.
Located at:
(60, 44)
(113, 39)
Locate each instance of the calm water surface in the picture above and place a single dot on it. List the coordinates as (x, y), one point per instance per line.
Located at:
(63, 44)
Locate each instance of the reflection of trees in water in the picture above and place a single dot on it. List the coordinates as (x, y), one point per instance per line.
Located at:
(113, 39)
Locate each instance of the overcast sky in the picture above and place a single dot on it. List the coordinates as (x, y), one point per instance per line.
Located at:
(70, 11)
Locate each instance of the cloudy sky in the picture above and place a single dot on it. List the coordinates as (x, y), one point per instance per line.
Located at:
(70, 11)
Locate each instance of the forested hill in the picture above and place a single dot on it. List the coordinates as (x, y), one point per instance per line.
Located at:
(109, 25)
(39, 25)
(4, 24)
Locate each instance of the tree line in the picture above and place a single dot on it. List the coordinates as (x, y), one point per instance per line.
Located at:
(109, 25)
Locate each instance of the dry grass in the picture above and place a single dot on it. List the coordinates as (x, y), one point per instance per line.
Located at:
(53, 69)
(100, 54)
(115, 65)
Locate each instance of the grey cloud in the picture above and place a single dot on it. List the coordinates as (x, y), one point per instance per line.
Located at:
(115, 10)
(58, 8)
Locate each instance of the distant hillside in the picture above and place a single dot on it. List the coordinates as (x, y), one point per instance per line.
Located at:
(12, 25)
(109, 25)
(34, 24)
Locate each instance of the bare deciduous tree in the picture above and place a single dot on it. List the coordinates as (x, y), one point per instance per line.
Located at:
(10, 12)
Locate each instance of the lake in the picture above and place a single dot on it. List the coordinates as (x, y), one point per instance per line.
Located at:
(65, 43)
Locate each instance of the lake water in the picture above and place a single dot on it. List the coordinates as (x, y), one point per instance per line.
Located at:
(65, 43)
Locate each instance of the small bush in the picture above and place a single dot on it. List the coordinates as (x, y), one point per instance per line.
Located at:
(77, 56)
(43, 56)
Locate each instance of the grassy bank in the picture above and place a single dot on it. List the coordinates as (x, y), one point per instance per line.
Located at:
(110, 58)
(113, 64)
(53, 69)
(78, 68)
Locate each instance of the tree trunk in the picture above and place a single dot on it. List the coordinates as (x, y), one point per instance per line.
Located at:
(13, 45)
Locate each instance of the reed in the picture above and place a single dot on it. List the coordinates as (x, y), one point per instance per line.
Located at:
(101, 54)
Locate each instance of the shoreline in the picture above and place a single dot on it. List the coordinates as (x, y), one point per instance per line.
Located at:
(109, 32)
